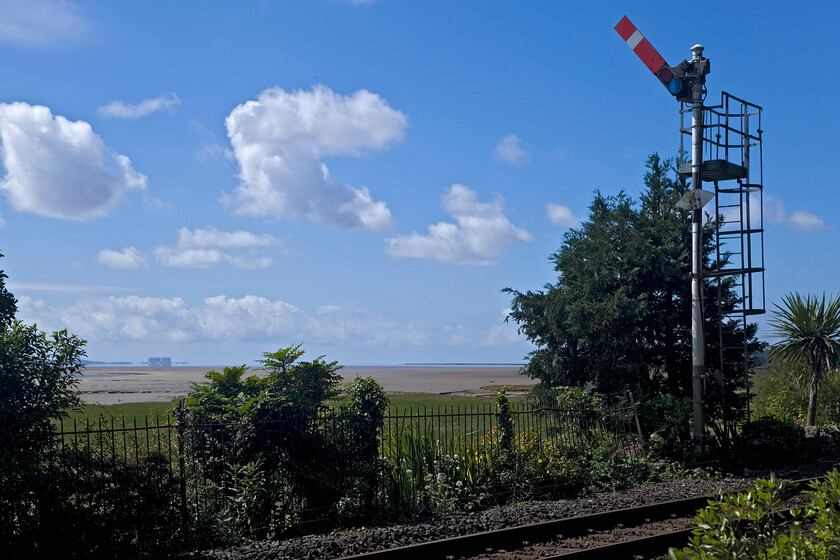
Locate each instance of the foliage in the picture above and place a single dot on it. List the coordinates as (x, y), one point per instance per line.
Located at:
(809, 329)
(550, 452)
(364, 410)
(280, 455)
(37, 381)
(746, 525)
(505, 427)
(94, 508)
(784, 435)
(617, 316)
(8, 303)
(666, 422)
(778, 392)
(305, 387)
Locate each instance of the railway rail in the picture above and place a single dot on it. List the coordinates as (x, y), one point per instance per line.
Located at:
(637, 532)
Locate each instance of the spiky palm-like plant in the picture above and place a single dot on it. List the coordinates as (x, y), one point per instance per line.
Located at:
(809, 332)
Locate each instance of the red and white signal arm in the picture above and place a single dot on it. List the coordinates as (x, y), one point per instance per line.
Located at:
(643, 49)
(670, 77)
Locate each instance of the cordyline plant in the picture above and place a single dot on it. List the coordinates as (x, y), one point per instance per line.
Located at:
(809, 332)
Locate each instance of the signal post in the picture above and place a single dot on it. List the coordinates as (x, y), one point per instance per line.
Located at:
(686, 83)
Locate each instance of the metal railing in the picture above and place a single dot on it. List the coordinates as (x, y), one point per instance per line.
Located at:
(166, 482)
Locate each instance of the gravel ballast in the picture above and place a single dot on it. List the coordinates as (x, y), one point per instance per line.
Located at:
(347, 543)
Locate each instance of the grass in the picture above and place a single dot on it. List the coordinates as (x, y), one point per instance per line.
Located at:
(419, 400)
(132, 413)
(401, 402)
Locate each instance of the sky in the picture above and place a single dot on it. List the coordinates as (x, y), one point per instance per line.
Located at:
(214, 180)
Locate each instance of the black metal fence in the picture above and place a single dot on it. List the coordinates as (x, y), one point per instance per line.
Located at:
(164, 482)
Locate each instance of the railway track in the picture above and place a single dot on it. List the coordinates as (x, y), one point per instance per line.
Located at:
(637, 532)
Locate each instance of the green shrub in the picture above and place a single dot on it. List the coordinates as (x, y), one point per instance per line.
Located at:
(778, 393)
(363, 410)
(666, 422)
(771, 439)
(274, 453)
(746, 525)
(90, 508)
(38, 374)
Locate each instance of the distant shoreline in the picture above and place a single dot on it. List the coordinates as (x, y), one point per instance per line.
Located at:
(477, 364)
(256, 366)
(111, 384)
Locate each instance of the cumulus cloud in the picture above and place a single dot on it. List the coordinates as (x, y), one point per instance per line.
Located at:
(480, 232)
(204, 248)
(561, 215)
(122, 110)
(129, 258)
(280, 139)
(59, 168)
(41, 22)
(253, 319)
(510, 150)
(801, 221)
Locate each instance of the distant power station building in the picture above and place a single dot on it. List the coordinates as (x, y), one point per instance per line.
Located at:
(160, 362)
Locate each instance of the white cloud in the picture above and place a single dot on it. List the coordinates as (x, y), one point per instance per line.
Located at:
(121, 110)
(58, 168)
(129, 258)
(477, 238)
(253, 319)
(280, 139)
(510, 150)
(204, 248)
(801, 221)
(41, 22)
(561, 215)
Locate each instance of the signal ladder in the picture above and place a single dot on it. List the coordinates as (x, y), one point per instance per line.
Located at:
(728, 144)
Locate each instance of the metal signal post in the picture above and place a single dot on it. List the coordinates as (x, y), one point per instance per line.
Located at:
(685, 82)
(698, 360)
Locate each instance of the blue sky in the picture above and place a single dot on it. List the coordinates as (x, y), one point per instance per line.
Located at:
(212, 180)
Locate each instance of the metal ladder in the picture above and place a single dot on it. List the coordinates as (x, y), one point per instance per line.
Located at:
(730, 150)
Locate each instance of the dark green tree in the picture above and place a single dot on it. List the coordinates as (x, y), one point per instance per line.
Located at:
(37, 384)
(618, 316)
(8, 303)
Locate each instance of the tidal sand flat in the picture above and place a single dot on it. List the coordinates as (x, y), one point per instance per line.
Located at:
(124, 384)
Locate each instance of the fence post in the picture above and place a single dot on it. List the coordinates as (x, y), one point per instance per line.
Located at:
(636, 416)
(182, 483)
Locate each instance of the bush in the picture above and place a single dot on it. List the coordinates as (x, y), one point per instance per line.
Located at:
(89, 508)
(365, 406)
(275, 455)
(745, 525)
(37, 382)
(666, 420)
(778, 393)
(772, 439)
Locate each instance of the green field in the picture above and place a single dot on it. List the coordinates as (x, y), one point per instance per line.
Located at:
(139, 411)
(129, 413)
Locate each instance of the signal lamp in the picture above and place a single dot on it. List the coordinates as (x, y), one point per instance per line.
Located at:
(675, 86)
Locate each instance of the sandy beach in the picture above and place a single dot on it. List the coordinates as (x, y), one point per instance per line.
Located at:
(120, 384)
